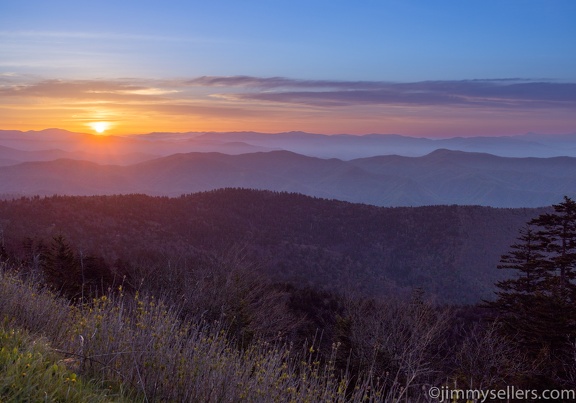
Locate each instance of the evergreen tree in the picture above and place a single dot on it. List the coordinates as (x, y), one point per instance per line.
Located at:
(538, 305)
(61, 268)
(517, 295)
(557, 239)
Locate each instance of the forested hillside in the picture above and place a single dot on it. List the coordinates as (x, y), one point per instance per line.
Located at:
(451, 252)
(236, 293)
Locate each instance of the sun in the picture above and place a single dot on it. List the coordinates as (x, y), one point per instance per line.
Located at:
(100, 127)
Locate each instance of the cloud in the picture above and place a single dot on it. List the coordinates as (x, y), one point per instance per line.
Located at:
(102, 90)
(128, 97)
(503, 93)
(266, 102)
(192, 109)
(277, 82)
(326, 93)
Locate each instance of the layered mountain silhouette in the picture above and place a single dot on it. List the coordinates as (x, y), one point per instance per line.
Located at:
(441, 177)
(343, 146)
(531, 170)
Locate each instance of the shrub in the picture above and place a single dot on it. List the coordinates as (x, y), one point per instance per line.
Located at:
(139, 342)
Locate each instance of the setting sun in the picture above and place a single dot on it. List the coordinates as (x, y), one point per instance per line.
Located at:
(100, 127)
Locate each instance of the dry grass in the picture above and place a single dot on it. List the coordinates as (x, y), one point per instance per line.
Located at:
(141, 343)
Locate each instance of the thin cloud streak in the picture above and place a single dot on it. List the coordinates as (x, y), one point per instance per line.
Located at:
(284, 104)
(278, 82)
(323, 93)
(480, 93)
(103, 90)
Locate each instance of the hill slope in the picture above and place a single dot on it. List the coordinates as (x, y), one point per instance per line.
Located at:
(450, 251)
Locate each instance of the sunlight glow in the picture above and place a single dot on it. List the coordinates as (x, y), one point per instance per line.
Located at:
(100, 127)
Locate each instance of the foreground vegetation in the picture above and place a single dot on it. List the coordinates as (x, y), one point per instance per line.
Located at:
(216, 328)
(30, 370)
(141, 344)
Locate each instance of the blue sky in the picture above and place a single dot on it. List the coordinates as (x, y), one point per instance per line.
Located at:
(153, 45)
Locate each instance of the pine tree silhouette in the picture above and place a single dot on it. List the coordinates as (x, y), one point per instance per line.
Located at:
(538, 305)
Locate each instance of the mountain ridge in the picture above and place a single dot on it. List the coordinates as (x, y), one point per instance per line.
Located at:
(342, 146)
(443, 177)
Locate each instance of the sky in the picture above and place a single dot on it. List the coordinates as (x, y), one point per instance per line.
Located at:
(423, 68)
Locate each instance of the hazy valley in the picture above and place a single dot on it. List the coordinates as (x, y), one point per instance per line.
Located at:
(59, 162)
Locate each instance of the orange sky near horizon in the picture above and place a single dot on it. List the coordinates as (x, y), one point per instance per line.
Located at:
(240, 104)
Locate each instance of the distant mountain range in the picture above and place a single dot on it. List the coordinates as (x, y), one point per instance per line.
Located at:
(341, 146)
(441, 177)
(59, 162)
(346, 147)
